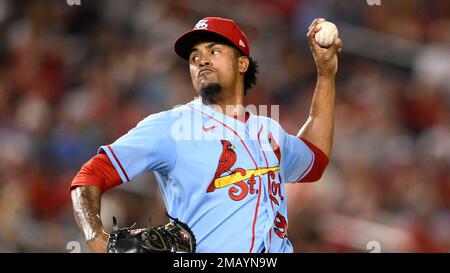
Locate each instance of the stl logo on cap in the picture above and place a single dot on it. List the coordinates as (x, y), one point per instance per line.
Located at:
(202, 24)
(220, 27)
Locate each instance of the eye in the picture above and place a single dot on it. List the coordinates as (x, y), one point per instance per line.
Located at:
(194, 58)
(215, 51)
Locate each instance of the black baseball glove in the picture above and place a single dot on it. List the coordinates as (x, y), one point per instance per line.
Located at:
(172, 237)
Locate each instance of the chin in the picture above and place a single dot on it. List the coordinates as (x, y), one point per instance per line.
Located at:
(206, 83)
(210, 91)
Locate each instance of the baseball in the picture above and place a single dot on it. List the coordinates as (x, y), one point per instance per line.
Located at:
(327, 34)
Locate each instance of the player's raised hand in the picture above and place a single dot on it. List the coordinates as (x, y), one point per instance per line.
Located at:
(325, 57)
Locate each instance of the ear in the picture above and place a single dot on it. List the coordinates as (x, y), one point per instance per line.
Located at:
(244, 62)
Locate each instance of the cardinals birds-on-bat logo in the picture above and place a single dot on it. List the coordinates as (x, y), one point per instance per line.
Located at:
(224, 176)
(226, 162)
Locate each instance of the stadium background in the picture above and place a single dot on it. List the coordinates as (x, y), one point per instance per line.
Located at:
(75, 77)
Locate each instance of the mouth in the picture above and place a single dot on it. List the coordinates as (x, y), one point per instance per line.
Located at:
(203, 71)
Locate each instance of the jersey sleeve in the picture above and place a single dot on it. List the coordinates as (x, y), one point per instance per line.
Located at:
(99, 172)
(145, 148)
(297, 158)
(303, 161)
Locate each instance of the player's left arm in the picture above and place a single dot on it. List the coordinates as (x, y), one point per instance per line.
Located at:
(319, 127)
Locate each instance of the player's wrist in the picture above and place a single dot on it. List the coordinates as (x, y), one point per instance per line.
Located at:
(99, 242)
(326, 74)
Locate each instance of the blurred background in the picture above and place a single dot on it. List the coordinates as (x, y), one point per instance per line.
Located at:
(73, 78)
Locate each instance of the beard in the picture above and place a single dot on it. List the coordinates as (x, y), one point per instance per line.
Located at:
(211, 92)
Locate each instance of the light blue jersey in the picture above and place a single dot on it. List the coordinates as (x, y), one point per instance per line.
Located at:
(222, 177)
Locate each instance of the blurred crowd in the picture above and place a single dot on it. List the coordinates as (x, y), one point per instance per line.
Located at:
(73, 78)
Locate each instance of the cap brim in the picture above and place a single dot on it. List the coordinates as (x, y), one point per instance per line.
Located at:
(183, 45)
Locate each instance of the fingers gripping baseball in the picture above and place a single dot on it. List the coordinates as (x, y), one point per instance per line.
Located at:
(325, 44)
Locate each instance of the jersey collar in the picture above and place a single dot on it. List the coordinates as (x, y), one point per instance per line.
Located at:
(199, 105)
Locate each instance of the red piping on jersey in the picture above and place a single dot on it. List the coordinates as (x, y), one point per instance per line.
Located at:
(268, 180)
(118, 162)
(256, 166)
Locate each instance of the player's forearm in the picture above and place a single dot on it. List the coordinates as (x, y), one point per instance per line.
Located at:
(86, 206)
(319, 127)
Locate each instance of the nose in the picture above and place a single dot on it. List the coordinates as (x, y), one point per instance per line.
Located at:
(204, 61)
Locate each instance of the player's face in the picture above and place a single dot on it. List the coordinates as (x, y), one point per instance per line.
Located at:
(214, 63)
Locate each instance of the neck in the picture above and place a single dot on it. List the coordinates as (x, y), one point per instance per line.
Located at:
(228, 103)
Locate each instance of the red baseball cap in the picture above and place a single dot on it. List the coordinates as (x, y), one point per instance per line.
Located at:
(216, 29)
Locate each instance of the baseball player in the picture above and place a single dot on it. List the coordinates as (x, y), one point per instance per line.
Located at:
(221, 169)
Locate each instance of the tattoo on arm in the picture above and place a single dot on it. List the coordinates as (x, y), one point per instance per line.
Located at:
(86, 206)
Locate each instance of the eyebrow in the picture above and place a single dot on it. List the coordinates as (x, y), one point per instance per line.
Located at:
(209, 45)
